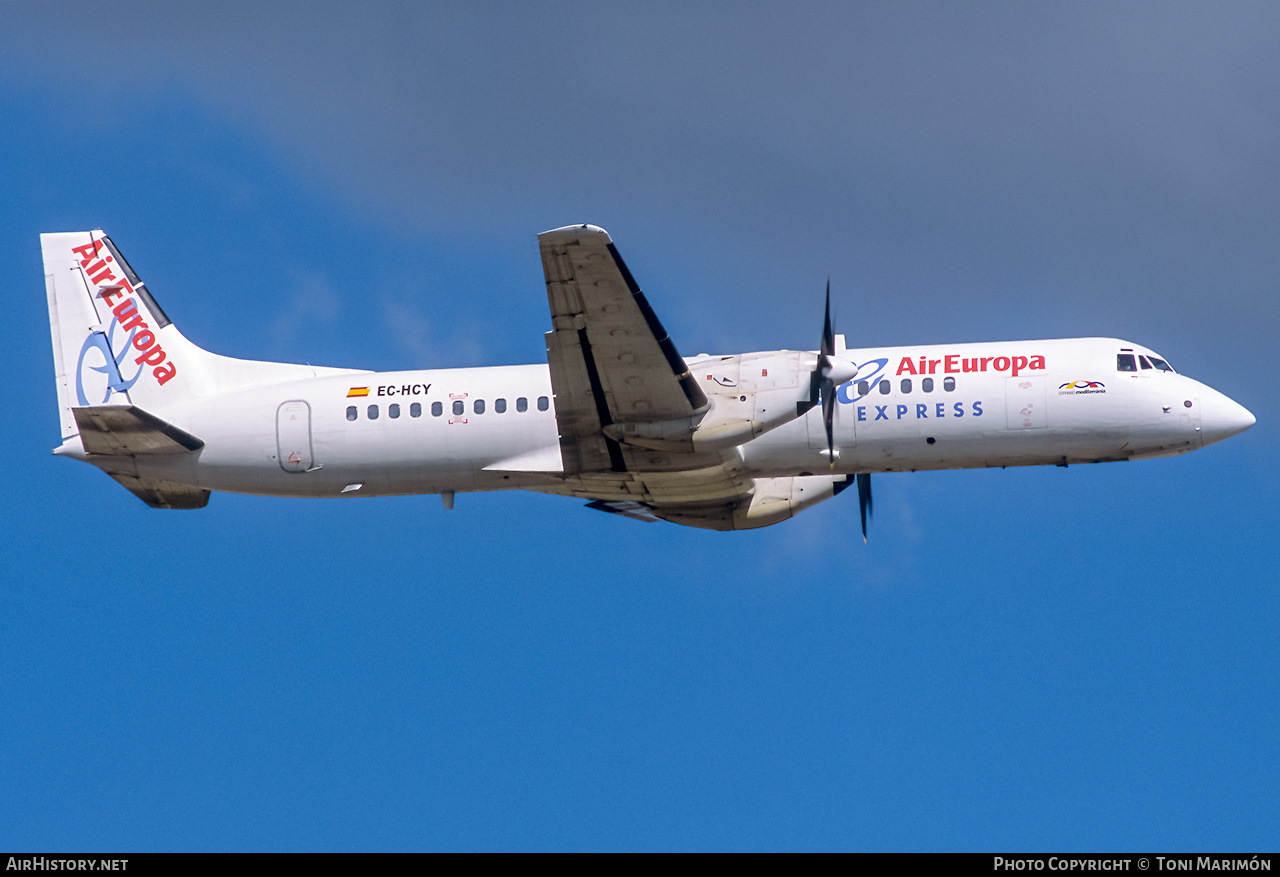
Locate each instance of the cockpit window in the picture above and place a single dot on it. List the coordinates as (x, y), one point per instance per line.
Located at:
(1143, 361)
(1161, 364)
(1126, 363)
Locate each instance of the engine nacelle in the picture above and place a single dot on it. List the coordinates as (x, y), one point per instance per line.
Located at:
(773, 500)
(748, 395)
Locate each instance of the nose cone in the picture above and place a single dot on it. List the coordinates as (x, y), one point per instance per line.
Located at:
(1220, 417)
(841, 370)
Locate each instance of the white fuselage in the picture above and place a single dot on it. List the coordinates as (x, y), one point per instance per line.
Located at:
(616, 417)
(911, 408)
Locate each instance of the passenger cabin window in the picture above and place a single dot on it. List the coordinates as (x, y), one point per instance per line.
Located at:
(863, 388)
(352, 414)
(393, 411)
(373, 412)
(415, 410)
(459, 406)
(500, 406)
(522, 404)
(478, 406)
(885, 388)
(906, 385)
(926, 385)
(543, 403)
(949, 384)
(1126, 363)
(436, 409)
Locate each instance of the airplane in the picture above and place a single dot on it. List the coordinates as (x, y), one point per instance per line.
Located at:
(616, 416)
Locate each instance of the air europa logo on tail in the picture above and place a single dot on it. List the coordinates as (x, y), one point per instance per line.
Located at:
(97, 267)
(98, 345)
(954, 364)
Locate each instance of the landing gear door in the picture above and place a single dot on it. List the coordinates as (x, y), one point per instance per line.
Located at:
(1024, 403)
(293, 436)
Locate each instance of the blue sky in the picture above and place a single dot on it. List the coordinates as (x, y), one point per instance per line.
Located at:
(1019, 659)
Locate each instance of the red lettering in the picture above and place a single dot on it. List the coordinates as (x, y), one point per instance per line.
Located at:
(127, 313)
(1037, 362)
(970, 365)
(997, 366)
(164, 372)
(88, 252)
(906, 366)
(1019, 362)
(103, 277)
(933, 364)
(985, 360)
(111, 292)
(144, 339)
(97, 266)
(951, 364)
(154, 356)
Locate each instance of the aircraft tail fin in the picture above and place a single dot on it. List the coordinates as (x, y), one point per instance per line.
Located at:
(112, 343)
(127, 379)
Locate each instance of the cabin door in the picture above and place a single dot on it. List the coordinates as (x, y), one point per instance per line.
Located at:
(293, 436)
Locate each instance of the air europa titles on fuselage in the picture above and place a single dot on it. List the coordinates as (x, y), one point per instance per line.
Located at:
(98, 270)
(923, 410)
(955, 363)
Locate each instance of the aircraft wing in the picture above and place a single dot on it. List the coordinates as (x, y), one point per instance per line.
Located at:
(611, 361)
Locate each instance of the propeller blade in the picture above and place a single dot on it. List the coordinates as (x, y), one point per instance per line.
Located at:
(828, 334)
(864, 500)
(828, 418)
(825, 386)
(822, 386)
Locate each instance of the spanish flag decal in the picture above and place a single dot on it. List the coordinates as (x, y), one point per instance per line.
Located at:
(357, 391)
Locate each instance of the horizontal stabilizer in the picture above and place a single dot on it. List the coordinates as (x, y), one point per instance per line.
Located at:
(163, 494)
(125, 430)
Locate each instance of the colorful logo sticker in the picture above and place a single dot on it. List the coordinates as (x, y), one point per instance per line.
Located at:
(1079, 388)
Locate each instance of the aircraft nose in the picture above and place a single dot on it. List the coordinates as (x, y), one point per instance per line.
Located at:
(1221, 417)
